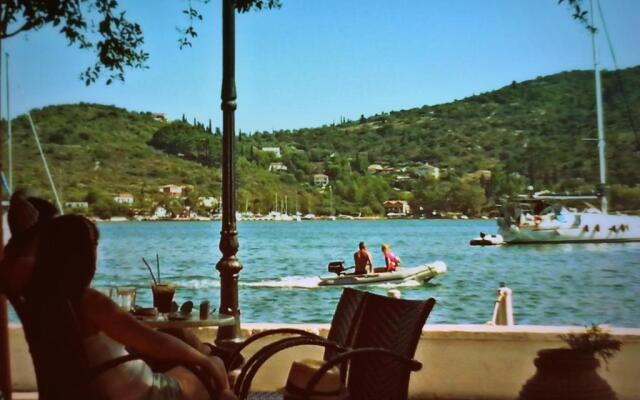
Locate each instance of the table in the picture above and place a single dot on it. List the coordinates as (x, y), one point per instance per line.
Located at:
(193, 321)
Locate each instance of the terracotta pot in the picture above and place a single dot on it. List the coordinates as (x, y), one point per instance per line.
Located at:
(566, 374)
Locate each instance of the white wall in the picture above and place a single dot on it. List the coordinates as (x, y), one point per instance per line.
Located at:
(460, 361)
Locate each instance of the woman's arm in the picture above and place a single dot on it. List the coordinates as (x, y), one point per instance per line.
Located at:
(125, 329)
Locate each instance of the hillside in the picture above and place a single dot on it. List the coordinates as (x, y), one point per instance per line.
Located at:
(526, 133)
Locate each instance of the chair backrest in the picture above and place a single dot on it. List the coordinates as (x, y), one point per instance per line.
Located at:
(56, 345)
(392, 324)
(345, 319)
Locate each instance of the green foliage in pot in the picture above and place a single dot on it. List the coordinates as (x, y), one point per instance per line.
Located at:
(594, 340)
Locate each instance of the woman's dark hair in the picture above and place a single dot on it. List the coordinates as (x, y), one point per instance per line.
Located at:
(66, 255)
(24, 236)
(46, 210)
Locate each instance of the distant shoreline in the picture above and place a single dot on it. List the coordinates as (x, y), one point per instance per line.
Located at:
(123, 219)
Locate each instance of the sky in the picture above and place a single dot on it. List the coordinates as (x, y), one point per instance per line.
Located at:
(312, 63)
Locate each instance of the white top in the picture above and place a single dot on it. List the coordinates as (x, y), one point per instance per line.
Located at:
(127, 381)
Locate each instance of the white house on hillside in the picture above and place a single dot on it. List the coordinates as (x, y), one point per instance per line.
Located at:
(124, 198)
(160, 117)
(274, 150)
(396, 207)
(171, 190)
(208, 202)
(277, 166)
(429, 170)
(76, 204)
(321, 180)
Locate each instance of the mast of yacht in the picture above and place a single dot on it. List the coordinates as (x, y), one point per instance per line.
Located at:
(599, 112)
(9, 139)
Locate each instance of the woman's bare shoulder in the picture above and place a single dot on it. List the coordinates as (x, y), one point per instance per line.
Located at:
(96, 302)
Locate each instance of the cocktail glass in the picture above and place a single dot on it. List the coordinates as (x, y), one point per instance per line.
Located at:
(162, 297)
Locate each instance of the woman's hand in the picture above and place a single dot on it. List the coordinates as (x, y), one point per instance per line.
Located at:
(214, 367)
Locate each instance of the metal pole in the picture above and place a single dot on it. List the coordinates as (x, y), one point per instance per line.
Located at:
(9, 136)
(228, 266)
(46, 165)
(600, 115)
(5, 360)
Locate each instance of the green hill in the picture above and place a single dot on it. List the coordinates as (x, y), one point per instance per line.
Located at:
(526, 133)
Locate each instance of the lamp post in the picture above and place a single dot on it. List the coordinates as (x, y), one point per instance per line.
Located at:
(5, 361)
(229, 266)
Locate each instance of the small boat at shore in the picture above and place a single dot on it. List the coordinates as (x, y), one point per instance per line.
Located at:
(421, 273)
(487, 240)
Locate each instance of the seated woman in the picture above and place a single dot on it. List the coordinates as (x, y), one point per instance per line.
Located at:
(66, 258)
(391, 261)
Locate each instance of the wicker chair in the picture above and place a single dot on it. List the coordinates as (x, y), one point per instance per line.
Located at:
(343, 325)
(377, 361)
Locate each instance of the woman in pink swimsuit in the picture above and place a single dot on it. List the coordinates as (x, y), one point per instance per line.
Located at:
(390, 260)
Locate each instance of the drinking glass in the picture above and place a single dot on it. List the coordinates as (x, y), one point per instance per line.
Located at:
(126, 298)
(163, 296)
(107, 291)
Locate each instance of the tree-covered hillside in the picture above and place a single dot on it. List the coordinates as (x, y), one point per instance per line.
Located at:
(527, 133)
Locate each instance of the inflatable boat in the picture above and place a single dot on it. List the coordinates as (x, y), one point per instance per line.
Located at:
(421, 273)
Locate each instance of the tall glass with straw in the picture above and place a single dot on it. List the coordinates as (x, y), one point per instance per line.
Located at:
(162, 293)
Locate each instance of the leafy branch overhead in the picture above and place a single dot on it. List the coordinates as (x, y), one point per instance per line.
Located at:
(100, 26)
(193, 15)
(579, 13)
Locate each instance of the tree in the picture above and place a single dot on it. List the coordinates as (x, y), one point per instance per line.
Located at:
(579, 14)
(118, 43)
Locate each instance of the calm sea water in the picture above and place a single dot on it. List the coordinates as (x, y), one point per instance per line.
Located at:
(565, 284)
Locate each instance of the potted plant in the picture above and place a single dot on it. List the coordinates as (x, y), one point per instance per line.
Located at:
(571, 373)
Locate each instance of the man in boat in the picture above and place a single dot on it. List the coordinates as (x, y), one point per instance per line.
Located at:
(362, 259)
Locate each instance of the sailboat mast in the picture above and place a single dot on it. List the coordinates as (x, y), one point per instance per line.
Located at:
(9, 138)
(599, 112)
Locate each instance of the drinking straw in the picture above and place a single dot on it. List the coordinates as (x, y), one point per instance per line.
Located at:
(150, 271)
(158, 266)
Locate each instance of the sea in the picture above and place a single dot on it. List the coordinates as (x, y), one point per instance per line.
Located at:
(555, 284)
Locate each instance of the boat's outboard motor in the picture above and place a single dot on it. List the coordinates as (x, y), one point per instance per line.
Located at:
(337, 267)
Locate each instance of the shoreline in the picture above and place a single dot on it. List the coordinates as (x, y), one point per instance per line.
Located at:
(124, 219)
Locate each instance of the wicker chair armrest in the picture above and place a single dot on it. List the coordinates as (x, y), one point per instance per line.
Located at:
(251, 368)
(408, 363)
(202, 376)
(236, 354)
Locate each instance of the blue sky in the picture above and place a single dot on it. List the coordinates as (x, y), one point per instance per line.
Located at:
(312, 62)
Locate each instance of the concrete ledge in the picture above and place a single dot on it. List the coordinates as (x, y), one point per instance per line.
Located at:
(459, 361)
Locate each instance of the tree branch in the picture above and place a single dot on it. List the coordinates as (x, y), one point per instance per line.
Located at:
(27, 26)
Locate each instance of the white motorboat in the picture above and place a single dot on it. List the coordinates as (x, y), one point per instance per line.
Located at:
(535, 220)
(558, 224)
(420, 273)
